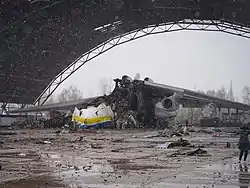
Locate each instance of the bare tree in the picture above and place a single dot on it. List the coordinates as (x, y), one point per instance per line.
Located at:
(192, 114)
(221, 93)
(246, 95)
(182, 115)
(236, 99)
(196, 115)
(50, 100)
(201, 91)
(72, 93)
(106, 86)
(211, 93)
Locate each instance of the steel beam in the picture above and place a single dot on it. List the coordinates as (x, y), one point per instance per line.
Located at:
(190, 25)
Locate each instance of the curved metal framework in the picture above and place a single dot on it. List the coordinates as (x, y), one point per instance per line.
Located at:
(190, 25)
(5, 107)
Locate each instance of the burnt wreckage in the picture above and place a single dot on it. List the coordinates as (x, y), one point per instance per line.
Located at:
(146, 104)
(149, 104)
(154, 104)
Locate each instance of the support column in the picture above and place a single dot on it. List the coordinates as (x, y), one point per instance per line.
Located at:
(229, 115)
(3, 108)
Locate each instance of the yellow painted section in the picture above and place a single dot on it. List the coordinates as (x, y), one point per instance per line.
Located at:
(90, 121)
(78, 119)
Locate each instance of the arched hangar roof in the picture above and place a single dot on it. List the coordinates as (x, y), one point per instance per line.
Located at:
(40, 38)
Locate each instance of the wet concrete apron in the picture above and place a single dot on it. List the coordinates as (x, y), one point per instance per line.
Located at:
(117, 159)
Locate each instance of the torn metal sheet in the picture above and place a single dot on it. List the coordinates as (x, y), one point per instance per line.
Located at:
(93, 116)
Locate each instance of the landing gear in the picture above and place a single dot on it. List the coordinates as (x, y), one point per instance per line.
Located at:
(146, 110)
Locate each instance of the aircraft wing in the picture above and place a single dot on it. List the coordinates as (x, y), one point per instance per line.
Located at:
(188, 99)
(193, 99)
(82, 103)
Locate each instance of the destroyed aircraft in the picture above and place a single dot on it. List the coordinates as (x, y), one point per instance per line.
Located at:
(99, 116)
(145, 102)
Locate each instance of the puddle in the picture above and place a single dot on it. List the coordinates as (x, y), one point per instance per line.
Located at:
(183, 185)
(137, 167)
(220, 175)
(127, 164)
(78, 166)
(220, 167)
(83, 175)
(85, 170)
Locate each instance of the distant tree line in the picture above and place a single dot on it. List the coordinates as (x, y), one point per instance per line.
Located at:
(67, 94)
(74, 93)
(246, 94)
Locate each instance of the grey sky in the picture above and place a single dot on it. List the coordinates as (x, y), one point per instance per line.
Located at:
(188, 59)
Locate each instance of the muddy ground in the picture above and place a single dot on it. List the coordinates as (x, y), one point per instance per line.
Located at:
(108, 158)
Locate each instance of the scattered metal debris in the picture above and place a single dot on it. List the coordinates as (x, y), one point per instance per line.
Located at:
(127, 120)
(43, 142)
(22, 155)
(96, 146)
(198, 152)
(179, 143)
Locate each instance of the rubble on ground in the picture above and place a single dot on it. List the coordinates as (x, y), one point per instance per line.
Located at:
(123, 151)
(179, 143)
(206, 131)
(96, 146)
(127, 120)
(174, 144)
(177, 131)
(199, 152)
(53, 119)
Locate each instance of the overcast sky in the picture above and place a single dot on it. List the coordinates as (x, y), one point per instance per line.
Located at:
(188, 59)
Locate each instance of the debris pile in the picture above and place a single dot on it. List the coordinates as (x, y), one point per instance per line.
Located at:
(177, 131)
(197, 152)
(54, 119)
(127, 120)
(179, 143)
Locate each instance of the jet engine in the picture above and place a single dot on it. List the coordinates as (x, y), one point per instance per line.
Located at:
(167, 108)
(167, 103)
